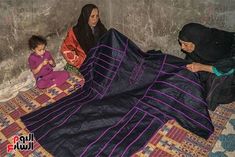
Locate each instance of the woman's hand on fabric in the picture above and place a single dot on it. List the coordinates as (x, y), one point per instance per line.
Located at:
(196, 67)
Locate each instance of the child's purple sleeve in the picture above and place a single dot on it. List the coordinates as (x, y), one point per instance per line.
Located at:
(48, 55)
(32, 63)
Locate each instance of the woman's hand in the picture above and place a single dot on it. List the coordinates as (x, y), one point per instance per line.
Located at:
(196, 67)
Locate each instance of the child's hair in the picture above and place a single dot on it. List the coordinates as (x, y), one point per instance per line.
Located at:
(36, 40)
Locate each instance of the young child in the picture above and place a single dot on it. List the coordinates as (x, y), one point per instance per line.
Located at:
(41, 64)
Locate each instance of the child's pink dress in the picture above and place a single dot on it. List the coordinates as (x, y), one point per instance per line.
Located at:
(46, 77)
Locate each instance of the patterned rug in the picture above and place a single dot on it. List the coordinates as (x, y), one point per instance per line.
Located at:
(225, 145)
(171, 140)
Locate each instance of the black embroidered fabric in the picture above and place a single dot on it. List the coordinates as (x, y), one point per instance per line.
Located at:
(127, 97)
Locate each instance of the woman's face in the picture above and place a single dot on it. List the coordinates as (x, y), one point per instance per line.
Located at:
(94, 18)
(187, 46)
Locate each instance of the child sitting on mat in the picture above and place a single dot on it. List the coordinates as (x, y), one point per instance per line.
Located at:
(41, 64)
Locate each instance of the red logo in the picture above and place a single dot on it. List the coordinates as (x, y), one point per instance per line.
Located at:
(22, 143)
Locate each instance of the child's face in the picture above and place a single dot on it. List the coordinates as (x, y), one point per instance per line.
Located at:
(40, 49)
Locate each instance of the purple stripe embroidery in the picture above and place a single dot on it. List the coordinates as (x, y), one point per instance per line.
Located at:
(90, 60)
(185, 79)
(51, 119)
(140, 100)
(110, 57)
(132, 77)
(175, 66)
(96, 91)
(93, 54)
(116, 134)
(149, 114)
(57, 115)
(158, 110)
(137, 138)
(130, 110)
(110, 129)
(180, 112)
(169, 84)
(180, 67)
(127, 135)
(163, 63)
(64, 120)
(113, 65)
(182, 104)
(117, 68)
(57, 105)
(148, 141)
(62, 107)
(97, 84)
(59, 125)
(87, 66)
(88, 72)
(88, 80)
(102, 45)
(104, 67)
(137, 72)
(102, 75)
(92, 57)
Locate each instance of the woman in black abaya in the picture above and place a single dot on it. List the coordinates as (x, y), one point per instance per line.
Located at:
(212, 53)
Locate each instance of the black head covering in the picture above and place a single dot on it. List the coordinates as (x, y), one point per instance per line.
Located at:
(211, 44)
(83, 31)
(195, 33)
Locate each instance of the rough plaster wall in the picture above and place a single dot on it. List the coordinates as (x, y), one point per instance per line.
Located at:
(152, 24)
(19, 19)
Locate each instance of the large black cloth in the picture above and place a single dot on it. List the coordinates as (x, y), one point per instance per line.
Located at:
(217, 48)
(127, 97)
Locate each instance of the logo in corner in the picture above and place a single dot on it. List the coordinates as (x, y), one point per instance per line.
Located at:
(22, 143)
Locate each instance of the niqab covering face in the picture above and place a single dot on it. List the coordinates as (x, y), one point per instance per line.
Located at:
(83, 32)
